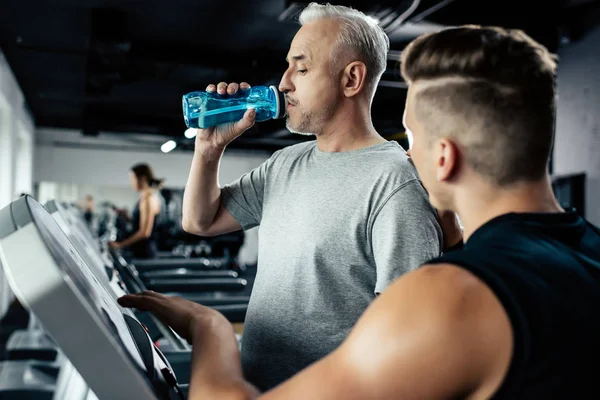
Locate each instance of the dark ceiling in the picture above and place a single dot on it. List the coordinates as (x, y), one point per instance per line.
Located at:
(122, 66)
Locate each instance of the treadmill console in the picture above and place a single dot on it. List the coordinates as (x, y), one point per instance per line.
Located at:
(109, 348)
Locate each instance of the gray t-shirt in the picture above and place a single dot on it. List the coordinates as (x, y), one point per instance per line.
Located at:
(335, 229)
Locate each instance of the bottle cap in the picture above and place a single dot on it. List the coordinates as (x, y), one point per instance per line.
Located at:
(281, 103)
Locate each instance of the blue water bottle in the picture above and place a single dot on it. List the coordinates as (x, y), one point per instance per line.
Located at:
(203, 109)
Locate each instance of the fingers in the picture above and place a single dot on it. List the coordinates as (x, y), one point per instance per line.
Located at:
(224, 88)
(247, 121)
(136, 301)
(144, 301)
(232, 88)
(152, 293)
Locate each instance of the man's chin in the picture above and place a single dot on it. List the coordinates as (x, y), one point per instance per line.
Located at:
(302, 133)
(295, 131)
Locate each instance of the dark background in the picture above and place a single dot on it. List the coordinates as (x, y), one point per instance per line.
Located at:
(122, 66)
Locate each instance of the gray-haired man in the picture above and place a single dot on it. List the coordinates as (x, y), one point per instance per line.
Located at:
(340, 217)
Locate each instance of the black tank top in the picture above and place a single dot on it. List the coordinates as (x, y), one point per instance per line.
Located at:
(545, 270)
(145, 248)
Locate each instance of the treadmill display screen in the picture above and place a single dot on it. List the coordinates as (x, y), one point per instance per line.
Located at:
(90, 289)
(75, 235)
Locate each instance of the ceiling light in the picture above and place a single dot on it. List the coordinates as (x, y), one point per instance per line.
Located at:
(168, 146)
(190, 133)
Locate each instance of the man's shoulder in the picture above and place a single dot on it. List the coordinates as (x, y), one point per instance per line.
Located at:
(391, 163)
(392, 155)
(387, 161)
(447, 327)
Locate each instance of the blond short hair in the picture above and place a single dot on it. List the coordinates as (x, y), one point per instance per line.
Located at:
(490, 89)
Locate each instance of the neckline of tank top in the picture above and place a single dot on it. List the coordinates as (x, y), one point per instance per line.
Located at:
(569, 217)
(343, 154)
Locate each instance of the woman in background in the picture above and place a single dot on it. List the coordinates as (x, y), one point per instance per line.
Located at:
(88, 209)
(142, 243)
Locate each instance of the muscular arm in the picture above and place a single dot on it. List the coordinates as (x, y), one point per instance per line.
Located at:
(438, 332)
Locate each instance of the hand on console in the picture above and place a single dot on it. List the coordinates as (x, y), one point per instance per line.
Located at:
(186, 318)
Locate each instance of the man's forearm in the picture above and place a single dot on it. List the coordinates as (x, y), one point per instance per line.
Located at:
(202, 194)
(216, 366)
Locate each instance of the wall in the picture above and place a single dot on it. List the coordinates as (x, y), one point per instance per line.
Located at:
(68, 167)
(121, 196)
(109, 166)
(577, 146)
(16, 150)
(24, 160)
(16, 138)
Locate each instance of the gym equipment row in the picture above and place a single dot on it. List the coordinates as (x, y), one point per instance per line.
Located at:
(79, 343)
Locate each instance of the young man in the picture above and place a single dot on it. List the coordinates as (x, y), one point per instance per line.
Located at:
(326, 208)
(514, 315)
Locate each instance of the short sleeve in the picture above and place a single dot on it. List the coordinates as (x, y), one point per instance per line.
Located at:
(244, 197)
(405, 234)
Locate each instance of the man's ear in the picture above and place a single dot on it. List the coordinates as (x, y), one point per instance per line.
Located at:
(447, 156)
(353, 78)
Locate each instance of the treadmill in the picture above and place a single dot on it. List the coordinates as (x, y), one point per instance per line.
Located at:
(106, 344)
(89, 249)
(164, 277)
(215, 292)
